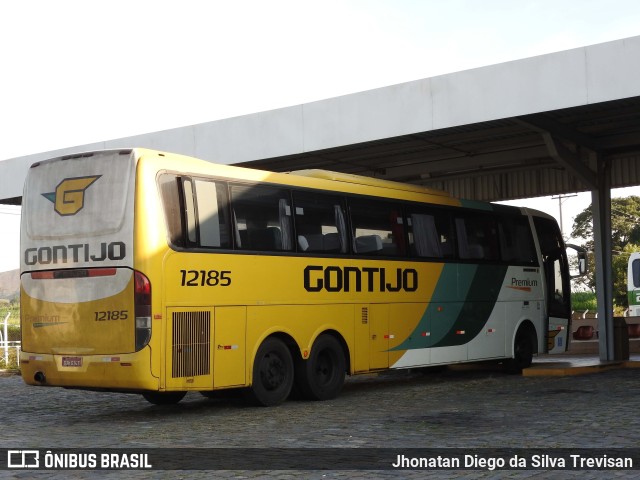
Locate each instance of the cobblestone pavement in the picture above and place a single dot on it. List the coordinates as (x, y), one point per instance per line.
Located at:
(461, 409)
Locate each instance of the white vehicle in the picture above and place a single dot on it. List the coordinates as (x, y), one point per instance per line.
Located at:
(633, 284)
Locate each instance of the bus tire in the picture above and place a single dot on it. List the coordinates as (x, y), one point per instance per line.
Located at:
(272, 373)
(321, 376)
(163, 398)
(522, 352)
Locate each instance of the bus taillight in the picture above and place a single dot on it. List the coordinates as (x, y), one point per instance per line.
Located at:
(142, 298)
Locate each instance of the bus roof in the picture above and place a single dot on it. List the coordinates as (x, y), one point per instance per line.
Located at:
(348, 180)
(368, 181)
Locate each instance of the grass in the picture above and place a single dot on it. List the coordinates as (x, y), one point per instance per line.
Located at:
(13, 334)
(12, 360)
(581, 301)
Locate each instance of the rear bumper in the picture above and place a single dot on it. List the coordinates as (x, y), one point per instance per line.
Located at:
(130, 371)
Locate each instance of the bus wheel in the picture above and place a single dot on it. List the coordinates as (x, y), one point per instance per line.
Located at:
(163, 398)
(522, 352)
(321, 376)
(272, 373)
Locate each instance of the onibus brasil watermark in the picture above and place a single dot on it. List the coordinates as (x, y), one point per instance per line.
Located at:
(34, 459)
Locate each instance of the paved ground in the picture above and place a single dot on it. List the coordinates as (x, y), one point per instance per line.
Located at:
(463, 409)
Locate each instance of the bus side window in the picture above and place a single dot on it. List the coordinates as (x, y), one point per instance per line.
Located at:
(516, 243)
(430, 235)
(262, 218)
(477, 237)
(320, 223)
(190, 212)
(169, 186)
(212, 214)
(378, 228)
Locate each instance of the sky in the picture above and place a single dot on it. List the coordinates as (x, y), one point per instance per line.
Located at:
(76, 72)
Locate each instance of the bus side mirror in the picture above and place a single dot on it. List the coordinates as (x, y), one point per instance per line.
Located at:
(583, 264)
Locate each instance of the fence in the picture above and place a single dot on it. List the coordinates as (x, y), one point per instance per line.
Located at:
(6, 345)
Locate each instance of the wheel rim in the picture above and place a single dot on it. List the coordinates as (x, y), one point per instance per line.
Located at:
(273, 371)
(325, 367)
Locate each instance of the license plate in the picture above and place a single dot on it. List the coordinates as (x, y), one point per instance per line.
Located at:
(71, 361)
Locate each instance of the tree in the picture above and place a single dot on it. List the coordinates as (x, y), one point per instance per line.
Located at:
(625, 238)
(625, 223)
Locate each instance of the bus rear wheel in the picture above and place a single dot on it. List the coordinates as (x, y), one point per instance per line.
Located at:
(272, 373)
(321, 376)
(163, 398)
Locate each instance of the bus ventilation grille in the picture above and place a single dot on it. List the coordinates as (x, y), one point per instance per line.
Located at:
(191, 344)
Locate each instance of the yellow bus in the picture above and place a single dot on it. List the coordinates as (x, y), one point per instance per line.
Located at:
(160, 274)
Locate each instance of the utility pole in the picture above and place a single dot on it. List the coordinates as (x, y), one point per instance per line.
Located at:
(561, 198)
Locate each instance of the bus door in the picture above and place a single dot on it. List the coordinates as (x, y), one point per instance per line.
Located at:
(558, 293)
(379, 336)
(372, 337)
(229, 359)
(206, 348)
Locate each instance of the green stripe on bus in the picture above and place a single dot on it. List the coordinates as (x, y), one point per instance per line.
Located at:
(444, 320)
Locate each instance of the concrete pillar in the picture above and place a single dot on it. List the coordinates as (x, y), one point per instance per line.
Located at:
(601, 204)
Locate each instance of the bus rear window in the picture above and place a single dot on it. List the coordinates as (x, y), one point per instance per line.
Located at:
(84, 196)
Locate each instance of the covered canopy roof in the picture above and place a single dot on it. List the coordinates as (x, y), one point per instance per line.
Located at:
(530, 155)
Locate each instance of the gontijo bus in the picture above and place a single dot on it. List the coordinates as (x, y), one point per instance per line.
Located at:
(160, 274)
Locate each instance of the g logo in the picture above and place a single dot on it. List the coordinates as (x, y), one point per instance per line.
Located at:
(69, 195)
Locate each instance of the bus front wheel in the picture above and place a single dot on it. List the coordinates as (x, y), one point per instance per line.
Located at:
(272, 373)
(522, 352)
(321, 376)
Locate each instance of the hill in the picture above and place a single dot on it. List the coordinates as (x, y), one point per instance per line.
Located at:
(10, 284)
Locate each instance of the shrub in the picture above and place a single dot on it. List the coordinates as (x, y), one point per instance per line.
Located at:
(581, 301)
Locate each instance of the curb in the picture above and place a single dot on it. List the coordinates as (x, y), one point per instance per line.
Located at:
(559, 369)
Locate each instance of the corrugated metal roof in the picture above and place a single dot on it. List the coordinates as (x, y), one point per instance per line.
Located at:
(495, 160)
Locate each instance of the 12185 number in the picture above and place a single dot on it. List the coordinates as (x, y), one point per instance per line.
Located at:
(205, 278)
